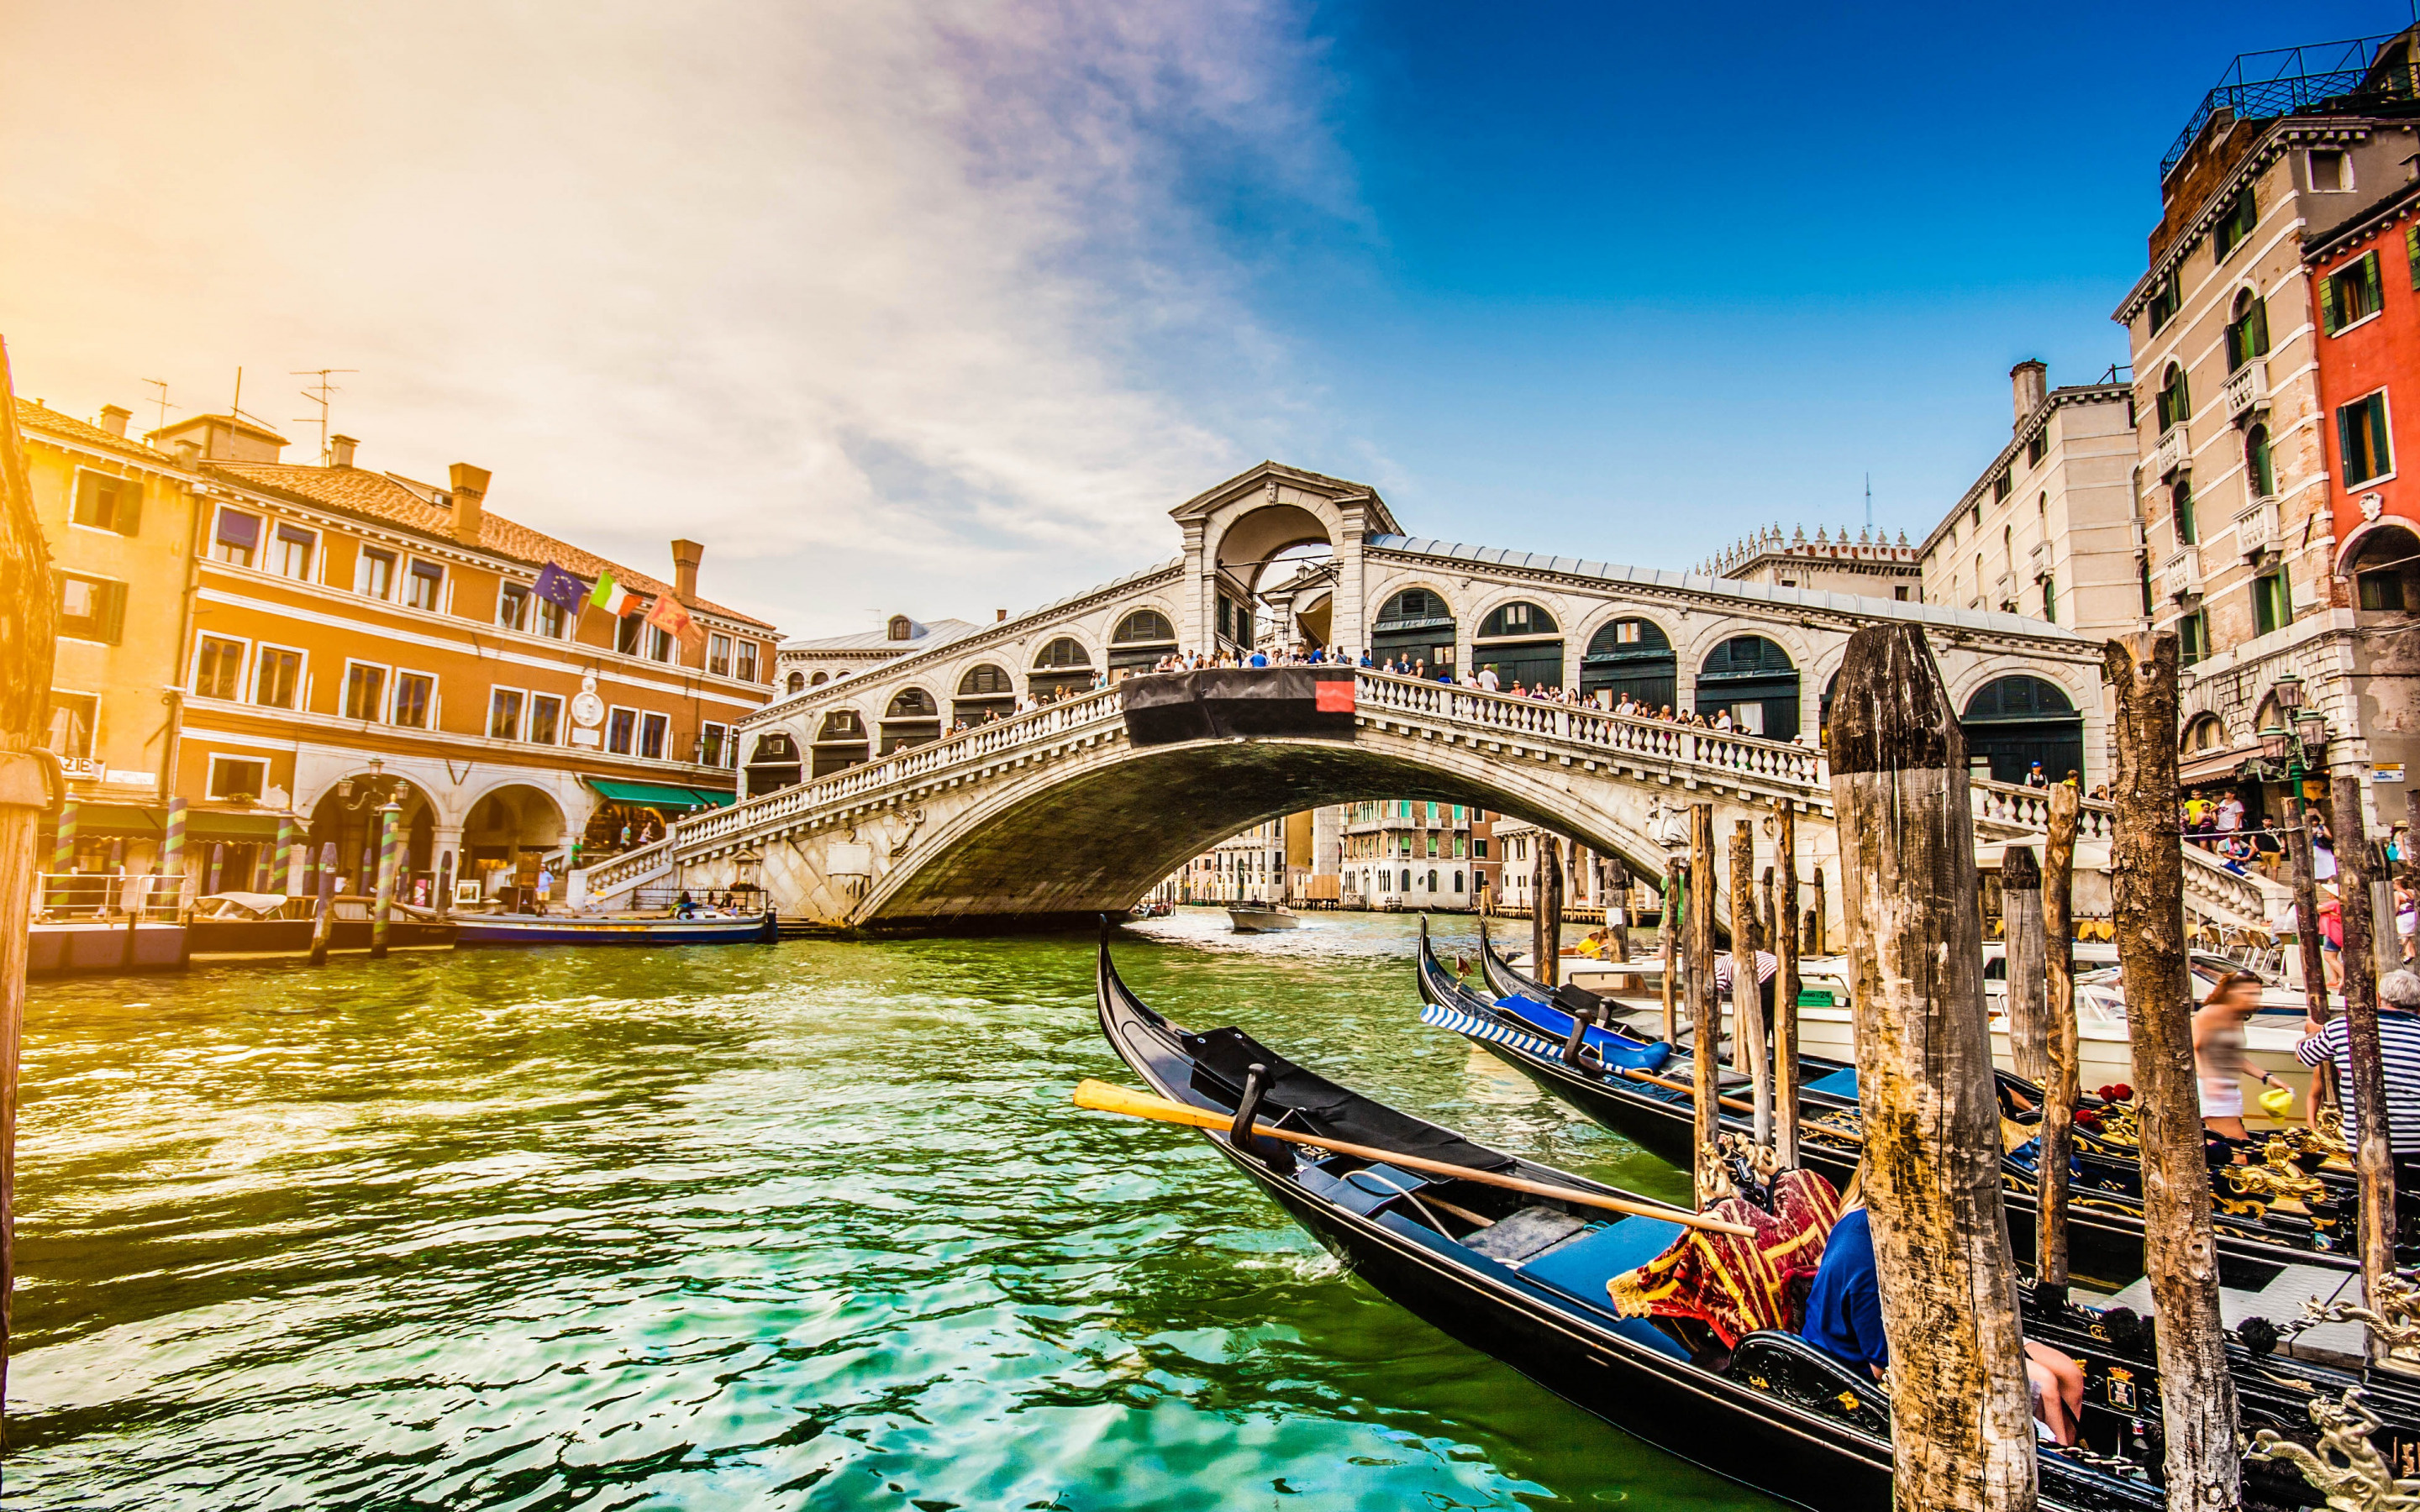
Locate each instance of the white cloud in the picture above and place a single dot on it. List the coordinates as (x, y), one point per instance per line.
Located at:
(894, 307)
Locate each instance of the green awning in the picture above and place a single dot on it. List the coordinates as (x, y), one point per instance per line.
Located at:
(127, 820)
(210, 824)
(714, 798)
(654, 794)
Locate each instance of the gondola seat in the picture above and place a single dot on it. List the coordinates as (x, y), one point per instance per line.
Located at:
(1582, 1265)
(1841, 1082)
(1796, 1371)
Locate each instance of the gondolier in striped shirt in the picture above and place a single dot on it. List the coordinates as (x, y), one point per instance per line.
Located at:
(2398, 1043)
(1766, 965)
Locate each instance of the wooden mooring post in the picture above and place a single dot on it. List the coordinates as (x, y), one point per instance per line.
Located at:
(1549, 959)
(1785, 986)
(2148, 907)
(325, 920)
(2062, 1086)
(1963, 1431)
(1747, 1000)
(2021, 936)
(1670, 929)
(29, 785)
(2373, 1156)
(1815, 942)
(1705, 1015)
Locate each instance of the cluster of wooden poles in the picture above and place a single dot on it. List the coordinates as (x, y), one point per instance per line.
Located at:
(1962, 1434)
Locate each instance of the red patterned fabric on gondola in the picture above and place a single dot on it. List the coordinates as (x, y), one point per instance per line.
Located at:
(1737, 1286)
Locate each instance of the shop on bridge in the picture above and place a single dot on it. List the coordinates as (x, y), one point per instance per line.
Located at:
(1755, 681)
(1634, 657)
(627, 814)
(1522, 642)
(1415, 626)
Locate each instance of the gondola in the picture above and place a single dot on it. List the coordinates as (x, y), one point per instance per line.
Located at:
(2254, 1231)
(1772, 1412)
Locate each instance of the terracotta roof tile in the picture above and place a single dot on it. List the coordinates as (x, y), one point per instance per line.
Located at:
(32, 414)
(377, 495)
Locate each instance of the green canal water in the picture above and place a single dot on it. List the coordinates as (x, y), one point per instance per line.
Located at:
(807, 1225)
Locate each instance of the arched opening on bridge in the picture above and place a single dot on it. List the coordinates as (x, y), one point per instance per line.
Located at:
(1298, 589)
(1523, 644)
(347, 815)
(773, 765)
(1756, 680)
(819, 679)
(1063, 667)
(1140, 640)
(912, 720)
(839, 742)
(1415, 626)
(2017, 720)
(796, 682)
(1632, 656)
(512, 831)
(985, 693)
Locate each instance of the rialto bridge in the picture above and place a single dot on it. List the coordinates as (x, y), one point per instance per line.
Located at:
(868, 807)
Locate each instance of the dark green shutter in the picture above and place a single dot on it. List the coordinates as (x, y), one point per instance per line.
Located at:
(2343, 441)
(113, 612)
(2412, 251)
(2371, 302)
(2256, 328)
(2382, 459)
(126, 519)
(2332, 303)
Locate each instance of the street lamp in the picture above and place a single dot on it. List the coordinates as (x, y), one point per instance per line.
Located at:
(2289, 693)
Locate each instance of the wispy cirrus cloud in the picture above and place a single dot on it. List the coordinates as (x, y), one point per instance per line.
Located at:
(923, 307)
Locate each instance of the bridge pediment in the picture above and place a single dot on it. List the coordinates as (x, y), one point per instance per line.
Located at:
(1274, 482)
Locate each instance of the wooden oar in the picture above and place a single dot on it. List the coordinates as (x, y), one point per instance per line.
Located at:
(1104, 1097)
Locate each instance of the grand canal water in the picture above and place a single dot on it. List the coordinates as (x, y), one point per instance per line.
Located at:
(755, 1226)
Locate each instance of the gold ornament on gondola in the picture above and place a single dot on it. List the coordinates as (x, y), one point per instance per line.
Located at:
(2345, 1470)
(2394, 1322)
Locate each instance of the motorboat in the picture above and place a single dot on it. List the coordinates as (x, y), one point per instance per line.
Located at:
(247, 926)
(688, 925)
(1260, 918)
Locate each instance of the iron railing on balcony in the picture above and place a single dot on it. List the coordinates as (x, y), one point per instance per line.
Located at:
(2319, 78)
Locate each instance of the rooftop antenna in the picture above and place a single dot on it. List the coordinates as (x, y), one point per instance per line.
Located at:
(162, 384)
(318, 395)
(1870, 502)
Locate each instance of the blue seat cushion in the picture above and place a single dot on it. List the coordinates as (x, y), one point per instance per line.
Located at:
(1841, 1082)
(1612, 1046)
(1582, 1266)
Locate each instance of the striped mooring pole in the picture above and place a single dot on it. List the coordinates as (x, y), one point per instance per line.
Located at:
(172, 850)
(63, 852)
(281, 879)
(387, 817)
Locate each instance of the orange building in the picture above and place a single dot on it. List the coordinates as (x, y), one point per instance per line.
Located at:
(346, 638)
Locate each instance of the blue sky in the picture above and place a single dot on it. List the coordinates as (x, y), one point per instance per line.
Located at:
(940, 306)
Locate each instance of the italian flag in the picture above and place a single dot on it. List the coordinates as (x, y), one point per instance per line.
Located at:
(612, 596)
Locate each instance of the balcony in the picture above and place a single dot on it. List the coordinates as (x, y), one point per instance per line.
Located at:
(2255, 528)
(2171, 456)
(2180, 575)
(2039, 559)
(2248, 389)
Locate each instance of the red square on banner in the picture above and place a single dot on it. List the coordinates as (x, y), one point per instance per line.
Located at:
(1335, 696)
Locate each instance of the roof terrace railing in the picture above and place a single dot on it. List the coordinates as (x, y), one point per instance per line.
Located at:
(2288, 79)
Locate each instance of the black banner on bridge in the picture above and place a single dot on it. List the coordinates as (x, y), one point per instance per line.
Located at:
(1222, 703)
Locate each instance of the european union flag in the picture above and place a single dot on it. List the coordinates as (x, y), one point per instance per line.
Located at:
(561, 589)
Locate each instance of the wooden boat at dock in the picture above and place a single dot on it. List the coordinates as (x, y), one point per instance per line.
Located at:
(1523, 1278)
(695, 926)
(260, 926)
(98, 946)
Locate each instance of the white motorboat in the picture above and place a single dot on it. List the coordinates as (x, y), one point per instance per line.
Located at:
(1260, 918)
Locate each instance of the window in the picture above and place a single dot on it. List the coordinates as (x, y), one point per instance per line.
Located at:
(901, 628)
(1063, 652)
(373, 573)
(504, 714)
(621, 730)
(554, 621)
(985, 680)
(545, 719)
(414, 693)
(218, 669)
(1143, 626)
(2192, 638)
(2361, 433)
(426, 588)
(2176, 400)
(714, 745)
(2181, 502)
(2036, 447)
(2257, 464)
(108, 503)
(236, 779)
(364, 691)
(718, 654)
(625, 634)
(294, 550)
(2247, 330)
(2412, 251)
(236, 538)
(74, 719)
(2271, 609)
(743, 662)
(2165, 303)
(1479, 850)
(2350, 295)
(2049, 600)
(2379, 590)
(660, 643)
(1999, 488)
(653, 729)
(91, 609)
(797, 683)
(513, 606)
(1900, 593)
(276, 677)
(2235, 226)
(2331, 171)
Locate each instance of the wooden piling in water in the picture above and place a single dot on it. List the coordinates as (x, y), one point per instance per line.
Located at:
(325, 920)
(1765, 922)
(1747, 1003)
(2021, 936)
(1549, 959)
(2061, 1088)
(1670, 930)
(1815, 943)
(1785, 986)
(2373, 1154)
(2146, 889)
(29, 784)
(1705, 1018)
(1961, 1425)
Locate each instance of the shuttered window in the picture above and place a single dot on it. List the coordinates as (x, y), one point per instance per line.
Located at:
(2362, 439)
(91, 609)
(108, 503)
(2350, 294)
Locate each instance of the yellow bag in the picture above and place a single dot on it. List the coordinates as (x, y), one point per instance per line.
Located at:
(2279, 1100)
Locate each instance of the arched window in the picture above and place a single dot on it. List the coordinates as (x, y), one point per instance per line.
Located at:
(2257, 463)
(1063, 652)
(2175, 404)
(796, 683)
(1754, 679)
(1416, 625)
(839, 742)
(819, 679)
(1063, 667)
(2017, 720)
(912, 720)
(1518, 619)
(984, 682)
(985, 693)
(841, 724)
(772, 766)
(2204, 733)
(1520, 642)
(1144, 624)
(2247, 330)
(1411, 607)
(912, 703)
(1457, 882)
(1631, 657)
(902, 627)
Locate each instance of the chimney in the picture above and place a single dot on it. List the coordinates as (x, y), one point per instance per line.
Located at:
(114, 418)
(470, 500)
(1000, 616)
(686, 555)
(340, 451)
(2028, 385)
